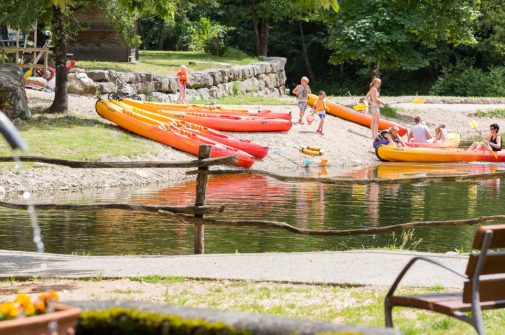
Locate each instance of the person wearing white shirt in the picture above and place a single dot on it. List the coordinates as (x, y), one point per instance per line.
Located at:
(419, 133)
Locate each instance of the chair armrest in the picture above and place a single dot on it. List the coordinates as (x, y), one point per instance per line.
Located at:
(409, 265)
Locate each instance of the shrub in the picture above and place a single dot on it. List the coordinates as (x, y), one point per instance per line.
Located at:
(464, 80)
(236, 88)
(130, 322)
(231, 52)
(207, 36)
(389, 111)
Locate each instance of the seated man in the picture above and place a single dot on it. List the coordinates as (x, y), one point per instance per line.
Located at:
(419, 133)
(389, 137)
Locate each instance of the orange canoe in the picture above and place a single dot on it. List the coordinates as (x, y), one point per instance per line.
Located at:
(171, 135)
(354, 116)
(255, 149)
(156, 106)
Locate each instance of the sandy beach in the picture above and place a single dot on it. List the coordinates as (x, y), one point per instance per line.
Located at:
(346, 145)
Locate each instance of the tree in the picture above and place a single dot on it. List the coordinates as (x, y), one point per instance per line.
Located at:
(56, 12)
(398, 33)
(490, 31)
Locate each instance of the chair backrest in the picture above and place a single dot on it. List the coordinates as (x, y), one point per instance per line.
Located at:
(494, 264)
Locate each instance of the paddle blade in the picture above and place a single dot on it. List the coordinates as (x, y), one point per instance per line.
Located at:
(359, 107)
(418, 100)
(474, 124)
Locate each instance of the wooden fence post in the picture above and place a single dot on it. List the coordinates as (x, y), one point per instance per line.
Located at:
(201, 189)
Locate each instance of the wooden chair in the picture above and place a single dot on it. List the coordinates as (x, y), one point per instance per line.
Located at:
(478, 293)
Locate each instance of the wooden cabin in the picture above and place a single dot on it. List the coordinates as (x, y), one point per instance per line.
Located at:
(98, 40)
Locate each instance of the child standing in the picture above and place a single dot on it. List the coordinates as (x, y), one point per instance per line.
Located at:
(320, 108)
(302, 92)
(182, 77)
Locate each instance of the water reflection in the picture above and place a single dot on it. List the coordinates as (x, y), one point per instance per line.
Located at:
(307, 205)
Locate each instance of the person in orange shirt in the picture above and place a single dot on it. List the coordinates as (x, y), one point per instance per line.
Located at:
(182, 77)
(320, 109)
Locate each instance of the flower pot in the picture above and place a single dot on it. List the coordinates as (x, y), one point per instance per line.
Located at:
(65, 316)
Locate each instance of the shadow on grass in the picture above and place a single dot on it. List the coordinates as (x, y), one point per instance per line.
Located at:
(62, 121)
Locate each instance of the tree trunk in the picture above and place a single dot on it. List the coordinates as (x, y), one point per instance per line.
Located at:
(60, 103)
(161, 36)
(4, 32)
(374, 69)
(140, 31)
(305, 52)
(262, 32)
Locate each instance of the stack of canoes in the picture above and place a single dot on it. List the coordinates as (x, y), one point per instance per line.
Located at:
(186, 127)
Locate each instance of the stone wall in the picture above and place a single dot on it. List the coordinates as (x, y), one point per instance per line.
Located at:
(265, 78)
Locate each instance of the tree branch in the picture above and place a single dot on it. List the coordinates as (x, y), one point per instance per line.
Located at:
(123, 165)
(209, 209)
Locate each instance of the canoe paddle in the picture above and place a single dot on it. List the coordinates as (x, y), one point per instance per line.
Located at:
(475, 126)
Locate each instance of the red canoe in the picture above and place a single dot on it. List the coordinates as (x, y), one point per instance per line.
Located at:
(171, 135)
(156, 106)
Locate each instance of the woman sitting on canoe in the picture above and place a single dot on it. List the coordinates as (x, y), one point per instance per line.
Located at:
(493, 140)
(389, 137)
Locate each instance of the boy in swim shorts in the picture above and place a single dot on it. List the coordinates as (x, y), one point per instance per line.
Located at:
(320, 109)
(302, 92)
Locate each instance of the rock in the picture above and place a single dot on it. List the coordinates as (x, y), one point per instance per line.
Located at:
(246, 86)
(217, 76)
(12, 93)
(79, 84)
(192, 94)
(203, 93)
(161, 97)
(106, 87)
(99, 75)
(215, 92)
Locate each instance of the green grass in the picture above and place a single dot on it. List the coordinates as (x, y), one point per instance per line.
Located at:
(389, 111)
(496, 113)
(155, 279)
(74, 138)
(167, 62)
(344, 305)
(127, 291)
(246, 100)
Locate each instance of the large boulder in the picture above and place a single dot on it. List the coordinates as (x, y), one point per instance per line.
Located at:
(79, 83)
(98, 75)
(13, 100)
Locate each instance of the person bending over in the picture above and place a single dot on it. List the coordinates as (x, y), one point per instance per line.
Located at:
(389, 137)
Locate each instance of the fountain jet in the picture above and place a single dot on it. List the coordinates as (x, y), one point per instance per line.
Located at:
(11, 134)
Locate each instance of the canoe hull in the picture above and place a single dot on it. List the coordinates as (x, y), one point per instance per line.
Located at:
(255, 149)
(171, 136)
(354, 116)
(155, 107)
(402, 154)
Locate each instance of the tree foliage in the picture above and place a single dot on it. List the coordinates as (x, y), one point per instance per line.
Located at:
(398, 33)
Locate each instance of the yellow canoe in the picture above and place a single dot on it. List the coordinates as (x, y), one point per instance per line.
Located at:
(405, 154)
